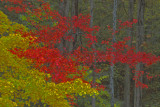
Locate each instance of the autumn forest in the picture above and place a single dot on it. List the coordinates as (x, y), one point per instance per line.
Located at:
(79, 53)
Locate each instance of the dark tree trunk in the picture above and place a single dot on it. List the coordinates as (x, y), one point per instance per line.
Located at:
(64, 11)
(112, 65)
(128, 69)
(93, 46)
(76, 33)
(139, 47)
(61, 11)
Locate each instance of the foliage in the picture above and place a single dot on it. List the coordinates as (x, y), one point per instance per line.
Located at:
(64, 66)
(8, 27)
(21, 83)
(25, 84)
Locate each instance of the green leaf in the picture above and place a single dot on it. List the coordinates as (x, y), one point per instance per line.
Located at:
(23, 18)
(98, 81)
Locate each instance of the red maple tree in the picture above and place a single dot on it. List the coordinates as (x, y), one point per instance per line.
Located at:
(49, 59)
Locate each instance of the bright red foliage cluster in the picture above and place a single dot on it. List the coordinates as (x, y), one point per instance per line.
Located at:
(126, 23)
(20, 5)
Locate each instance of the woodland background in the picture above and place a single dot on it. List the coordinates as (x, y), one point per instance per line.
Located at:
(124, 86)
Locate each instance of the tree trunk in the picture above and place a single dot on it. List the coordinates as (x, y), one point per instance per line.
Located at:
(66, 2)
(112, 65)
(128, 69)
(93, 46)
(76, 7)
(64, 11)
(139, 47)
(74, 12)
(61, 11)
(76, 34)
